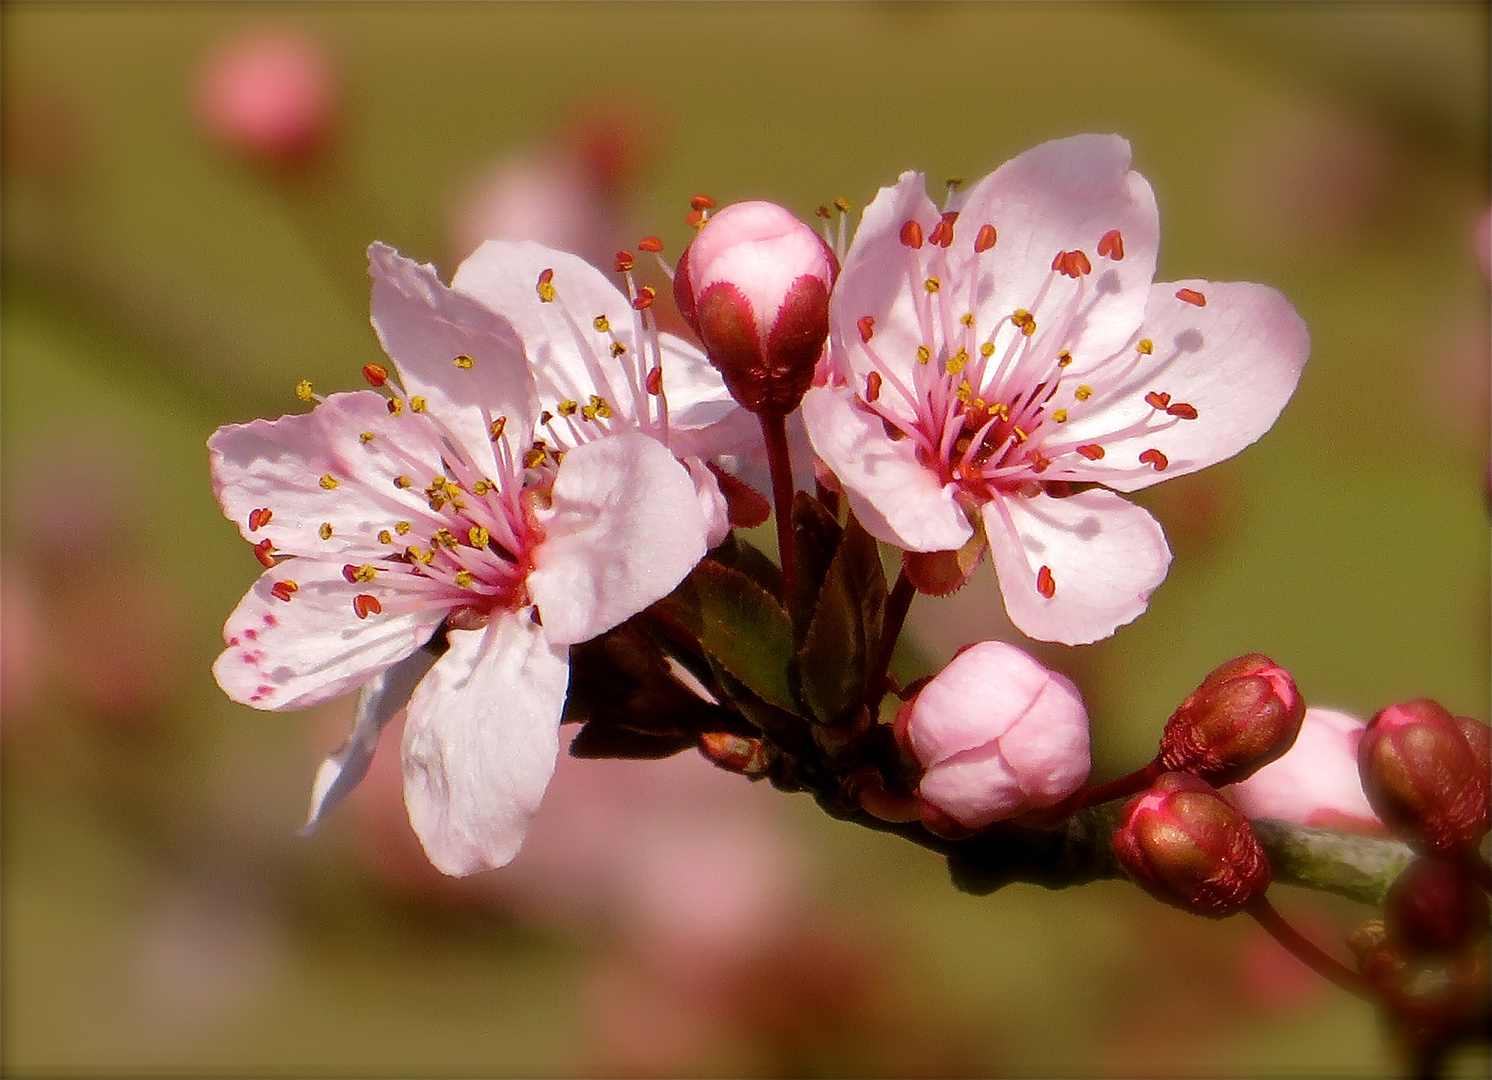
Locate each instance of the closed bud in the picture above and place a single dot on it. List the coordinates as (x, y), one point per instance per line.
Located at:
(1243, 716)
(1425, 773)
(998, 734)
(1185, 845)
(1434, 908)
(736, 753)
(754, 285)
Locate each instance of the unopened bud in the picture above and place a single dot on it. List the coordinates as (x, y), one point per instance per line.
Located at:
(1185, 845)
(1434, 907)
(998, 734)
(1425, 773)
(1245, 714)
(269, 96)
(736, 753)
(754, 285)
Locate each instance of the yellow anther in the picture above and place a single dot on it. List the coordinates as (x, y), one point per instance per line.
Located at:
(481, 487)
(967, 319)
(924, 354)
(417, 404)
(419, 554)
(567, 407)
(617, 348)
(534, 458)
(464, 361)
(495, 430)
(587, 412)
(478, 536)
(1145, 345)
(602, 406)
(978, 404)
(303, 390)
(932, 284)
(602, 324)
(964, 391)
(1025, 320)
(1000, 409)
(1059, 416)
(955, 363)
(463, 578)
(1064, 358)
(402, 482)
(1020, 436)
(329, 482)
(546, 291)
(987, 349)
(842, 205)
(955, 182)
(402, 527)
(396, 405)
(325, 530)
(385, 537)
(1083, 393)
(444, 537)
(365, 437)
(366, 572)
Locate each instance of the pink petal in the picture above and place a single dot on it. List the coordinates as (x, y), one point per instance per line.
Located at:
(880, 278)
(481, 740)
(975, 788)
(1103, 556)
(896, 498)
(711, 502)
(1048, 746)
(424, 327)
(1062, 196)
(279, 465)
(1236, 361)
(978, 697)
(1316, 783)
(624, 528)
(298, 653)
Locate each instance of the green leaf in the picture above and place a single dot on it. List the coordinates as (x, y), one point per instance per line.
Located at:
(843, 638)
(743, 628)
(815, 539)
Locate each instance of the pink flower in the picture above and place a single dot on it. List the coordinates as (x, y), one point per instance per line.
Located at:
(1316, 782)
(269, 95)
(998, 355)
(754, 284)
(461, 503)
(998, 734)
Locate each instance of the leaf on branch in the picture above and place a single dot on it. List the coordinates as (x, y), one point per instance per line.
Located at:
(843, 637)
(742, 628)
(604, 741)
(816, 535)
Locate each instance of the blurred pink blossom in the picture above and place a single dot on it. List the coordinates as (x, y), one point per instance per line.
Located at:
(1316, 783)
(269, 95)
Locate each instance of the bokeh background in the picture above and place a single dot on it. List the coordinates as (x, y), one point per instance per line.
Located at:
(165, 273)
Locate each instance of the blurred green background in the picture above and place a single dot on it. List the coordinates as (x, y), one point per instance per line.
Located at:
(160, 916)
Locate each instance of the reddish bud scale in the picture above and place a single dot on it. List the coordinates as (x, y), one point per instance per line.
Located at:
(734, 752)
(1185, 845)
(1245, 714)
(1425, 774)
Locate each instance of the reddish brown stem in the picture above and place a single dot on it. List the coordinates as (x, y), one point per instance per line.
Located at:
(779, 460)
(1306, 951)
(897, 606)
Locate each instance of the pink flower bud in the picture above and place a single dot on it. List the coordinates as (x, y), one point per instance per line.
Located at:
(1245, 714)
(1425, 773)
(1434, 907)
(1185, 845)
(998, 734)
(1316, 783)
(754, 285)
(268, 96)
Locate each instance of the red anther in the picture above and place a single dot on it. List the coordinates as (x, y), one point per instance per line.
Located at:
(624, 261)
(262, 552)
(1182, 410)
(942, 233)
(655, 381)
(1045, 583)
(823, 212)
(545, 285)
(376, 374)
(651, 243)
(1111, 245)
(1040, 463)
(1092, 451)
(260, 518)
(867, 325)
(1072, 263)
(985, 239)
(1191, 296)
(873, 386)
(645, 298)
(366, 605)
(282, 589)
(699, 202)
(349, 573)
(911, 234)
(695, 219)
(1157, 400)
(1156, 458)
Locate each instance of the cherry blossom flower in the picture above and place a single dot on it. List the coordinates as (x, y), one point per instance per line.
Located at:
(516, 490)
(1008, 367)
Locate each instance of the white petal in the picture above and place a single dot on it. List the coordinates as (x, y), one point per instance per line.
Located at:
(378, 702)
(424, 326)
(1236, 361)
(298, 653)
(1105, 557)
(896, 498)
(481, 740)
(624, 528)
